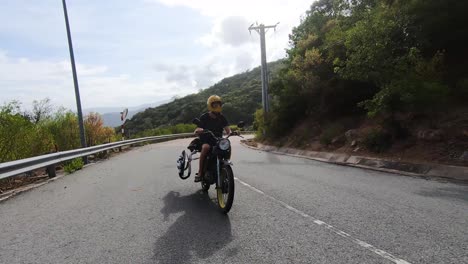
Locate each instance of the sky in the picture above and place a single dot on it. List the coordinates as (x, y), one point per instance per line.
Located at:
(130, 53)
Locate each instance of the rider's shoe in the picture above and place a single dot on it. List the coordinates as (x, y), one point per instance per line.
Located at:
(197, 177)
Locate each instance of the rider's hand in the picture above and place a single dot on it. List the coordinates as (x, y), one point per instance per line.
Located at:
(198, 130)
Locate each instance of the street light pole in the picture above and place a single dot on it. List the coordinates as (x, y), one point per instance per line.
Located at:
(75, 79)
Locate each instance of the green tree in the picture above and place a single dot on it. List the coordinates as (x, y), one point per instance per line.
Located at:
(65, 130)
(41, 110)
(19, 137)
(382, 56)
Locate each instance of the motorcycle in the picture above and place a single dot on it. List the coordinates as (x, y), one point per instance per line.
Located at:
(217, 166)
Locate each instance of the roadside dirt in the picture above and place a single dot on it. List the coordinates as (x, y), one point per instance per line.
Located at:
(442, 140)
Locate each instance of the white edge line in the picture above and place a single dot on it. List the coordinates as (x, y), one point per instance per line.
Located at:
(333, 229)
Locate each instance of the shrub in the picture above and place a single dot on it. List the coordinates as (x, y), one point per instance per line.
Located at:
(73, 165)
(259, 123)
(234, 128)
(330, 133)
(378, 140)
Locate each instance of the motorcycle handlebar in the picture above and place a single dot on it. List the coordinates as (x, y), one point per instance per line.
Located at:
(206, 131)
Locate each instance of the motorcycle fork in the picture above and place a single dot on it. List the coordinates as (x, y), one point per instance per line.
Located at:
(218, 175)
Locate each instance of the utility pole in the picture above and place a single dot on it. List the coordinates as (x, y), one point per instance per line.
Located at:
(75, 80)
(264, 72)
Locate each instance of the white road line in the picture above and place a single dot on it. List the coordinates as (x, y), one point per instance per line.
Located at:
(333, 229)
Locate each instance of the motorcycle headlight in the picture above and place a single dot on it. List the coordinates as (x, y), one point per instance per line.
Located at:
(224, 144)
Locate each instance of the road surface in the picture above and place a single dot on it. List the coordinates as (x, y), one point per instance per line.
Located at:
(133, 208)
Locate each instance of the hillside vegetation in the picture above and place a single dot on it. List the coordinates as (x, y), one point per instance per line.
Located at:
(42, 130)
(394, 71)
(241, 94)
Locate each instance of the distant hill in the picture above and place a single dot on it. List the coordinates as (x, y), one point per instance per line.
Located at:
(241, 94)
(113, 119)
(111, 115)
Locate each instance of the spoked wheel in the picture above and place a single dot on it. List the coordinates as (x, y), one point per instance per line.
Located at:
(225, 192)
(182, 165)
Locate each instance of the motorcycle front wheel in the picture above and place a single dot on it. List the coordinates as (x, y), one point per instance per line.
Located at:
(225, 192)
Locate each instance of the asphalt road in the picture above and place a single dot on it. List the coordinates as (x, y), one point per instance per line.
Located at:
(133, 208)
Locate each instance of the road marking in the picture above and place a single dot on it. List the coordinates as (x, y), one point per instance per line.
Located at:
(333, 229)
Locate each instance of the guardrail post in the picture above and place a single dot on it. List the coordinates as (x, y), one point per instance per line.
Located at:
(51, 171)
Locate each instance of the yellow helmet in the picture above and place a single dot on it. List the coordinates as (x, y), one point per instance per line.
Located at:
(211, 101)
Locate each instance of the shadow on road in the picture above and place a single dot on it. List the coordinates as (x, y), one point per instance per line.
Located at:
(201, 231)
(460, 193)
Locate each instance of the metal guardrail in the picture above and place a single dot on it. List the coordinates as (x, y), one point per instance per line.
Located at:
(12, 168)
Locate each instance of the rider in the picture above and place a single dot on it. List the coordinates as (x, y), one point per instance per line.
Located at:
(214, 121)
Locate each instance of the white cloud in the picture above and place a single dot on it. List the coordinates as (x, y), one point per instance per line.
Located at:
(229, 38)
(270, 10)
(123, 90)
(24, 69)
(195, 76)
(230, 30)
(119, 47)
(246, 12)
(26, 80)
(244, 61)
(177, 74)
